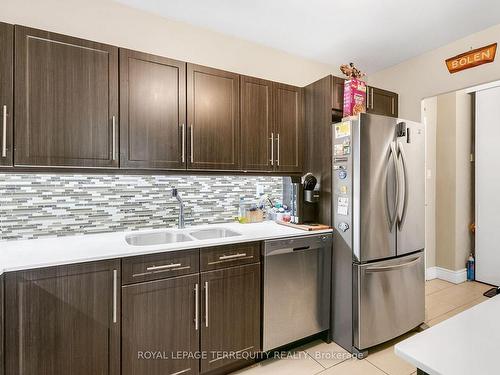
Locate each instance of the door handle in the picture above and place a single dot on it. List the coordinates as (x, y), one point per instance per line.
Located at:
(191, 143)
(183, 143)
(196, 307)
(4, 132)
(206, 303)
(401, 220)
(393, 156)
(272, 148)
(396, 267)
(278, 150)
(113, 120)
(115, 295)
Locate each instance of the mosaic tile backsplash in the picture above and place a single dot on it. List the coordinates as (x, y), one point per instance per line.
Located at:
(50, 205)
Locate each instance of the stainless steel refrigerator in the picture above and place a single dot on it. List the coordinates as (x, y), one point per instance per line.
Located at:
(378, 215)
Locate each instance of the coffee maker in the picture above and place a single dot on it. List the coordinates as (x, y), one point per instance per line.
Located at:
(302, 196)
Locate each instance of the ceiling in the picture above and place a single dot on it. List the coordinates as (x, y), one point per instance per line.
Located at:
(374, 34)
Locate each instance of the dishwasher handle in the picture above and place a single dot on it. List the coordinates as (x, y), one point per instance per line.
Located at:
(301, 248)
(279, 247)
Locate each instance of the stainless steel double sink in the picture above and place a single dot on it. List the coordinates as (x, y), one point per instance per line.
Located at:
(174, 236)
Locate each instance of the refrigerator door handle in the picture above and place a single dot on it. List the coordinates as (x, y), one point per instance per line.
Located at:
(393, 156)
(401, 220)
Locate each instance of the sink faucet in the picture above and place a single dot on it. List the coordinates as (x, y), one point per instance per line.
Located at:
(176, 195)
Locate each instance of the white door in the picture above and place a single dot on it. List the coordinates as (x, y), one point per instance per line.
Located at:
(488, 186)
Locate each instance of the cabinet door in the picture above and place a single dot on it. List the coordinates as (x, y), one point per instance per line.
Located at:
(6, 93)
(152, 111)
(256, 124)
(289, 125)
(338, 94)
(160, 317)
(63, 320)
(66, 101)
(382, 102)
(230, 314)
(213, 118)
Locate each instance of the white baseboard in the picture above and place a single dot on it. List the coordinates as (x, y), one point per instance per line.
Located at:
(430, 273)
(455, 277)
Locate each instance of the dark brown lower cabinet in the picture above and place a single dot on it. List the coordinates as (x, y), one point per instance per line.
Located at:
(160, 334)
(63, 320)
(230, 315)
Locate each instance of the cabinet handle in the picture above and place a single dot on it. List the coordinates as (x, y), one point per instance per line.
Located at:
(196, 307)
(4, 132)
(392, 105)
(232, 256)
(206, 303)
(272, 148)
(278, 150)
(192, 143)
(166, 266)
(183, 146)
(371, 97)
(115, 294)
(114, 136)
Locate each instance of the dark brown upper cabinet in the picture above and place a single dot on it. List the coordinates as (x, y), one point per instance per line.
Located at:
(6, 93)
(288, 128)
(161, 316)
(230, 314)
(63, 320)
(152, 111)
(66, 101)
(257, 124)
(213, 118)
(381, 102)
(271, 126)
(338, 94)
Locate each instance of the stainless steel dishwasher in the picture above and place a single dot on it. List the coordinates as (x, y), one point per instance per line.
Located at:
(296, 288)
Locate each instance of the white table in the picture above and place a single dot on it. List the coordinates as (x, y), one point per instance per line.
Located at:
(466, 344)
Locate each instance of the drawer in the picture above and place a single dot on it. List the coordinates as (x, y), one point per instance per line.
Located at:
(212, 258)
(159, 266)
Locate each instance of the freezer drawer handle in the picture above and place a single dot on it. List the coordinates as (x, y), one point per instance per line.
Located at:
(393, 268)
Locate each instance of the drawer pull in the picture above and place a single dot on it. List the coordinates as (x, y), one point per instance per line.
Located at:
(232, 256)
(396, 267)
(166, 266)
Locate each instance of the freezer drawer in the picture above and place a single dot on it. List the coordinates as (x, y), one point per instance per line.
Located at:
(390, 299)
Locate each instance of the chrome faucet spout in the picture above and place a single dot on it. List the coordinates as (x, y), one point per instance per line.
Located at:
(176, 195)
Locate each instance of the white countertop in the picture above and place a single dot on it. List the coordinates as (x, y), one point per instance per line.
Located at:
(26, 254)
(462, 345)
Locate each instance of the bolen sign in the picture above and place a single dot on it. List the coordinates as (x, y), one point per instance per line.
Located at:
(472, 58)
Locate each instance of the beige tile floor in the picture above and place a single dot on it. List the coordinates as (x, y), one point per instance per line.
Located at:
(442, 301)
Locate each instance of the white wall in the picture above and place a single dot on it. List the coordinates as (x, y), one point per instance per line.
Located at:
(429, 118)
(109, 22)
(464, 205)
(449, 206)
(426, 75)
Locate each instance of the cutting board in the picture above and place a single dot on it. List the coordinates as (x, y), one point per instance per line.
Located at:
(308, 227)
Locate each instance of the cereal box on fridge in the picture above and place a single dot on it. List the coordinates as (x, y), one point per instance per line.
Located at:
(354, 97)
